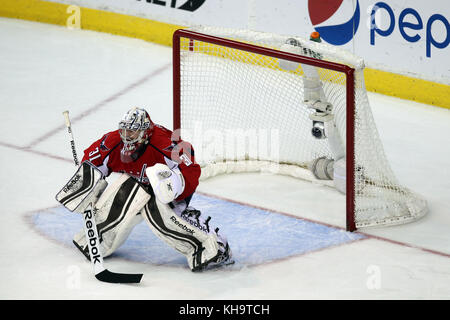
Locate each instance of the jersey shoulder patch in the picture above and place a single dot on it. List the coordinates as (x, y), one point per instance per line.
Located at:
(161, 137)
(109, 140)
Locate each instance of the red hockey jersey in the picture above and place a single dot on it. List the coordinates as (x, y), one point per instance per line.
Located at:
(175, 153)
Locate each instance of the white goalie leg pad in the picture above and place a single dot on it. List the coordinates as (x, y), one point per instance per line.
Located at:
(201, 247)
(117, 212)
(194, 218)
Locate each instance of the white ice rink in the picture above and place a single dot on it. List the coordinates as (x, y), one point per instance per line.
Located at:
(46, 69)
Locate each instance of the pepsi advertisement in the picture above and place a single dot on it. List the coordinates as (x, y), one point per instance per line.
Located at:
(405, 37)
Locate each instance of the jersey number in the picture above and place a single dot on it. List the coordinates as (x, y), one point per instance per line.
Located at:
(94, 155)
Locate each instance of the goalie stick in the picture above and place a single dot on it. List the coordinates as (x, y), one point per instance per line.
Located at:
(90, 229)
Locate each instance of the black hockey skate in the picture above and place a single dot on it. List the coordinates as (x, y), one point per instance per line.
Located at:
(223, 258)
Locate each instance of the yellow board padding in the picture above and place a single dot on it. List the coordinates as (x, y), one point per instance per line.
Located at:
(91, 19)
(409, 88)
(158, 32)
(42, 11)
(129, 26)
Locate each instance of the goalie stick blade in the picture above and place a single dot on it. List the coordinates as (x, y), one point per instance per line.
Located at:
(112, 277)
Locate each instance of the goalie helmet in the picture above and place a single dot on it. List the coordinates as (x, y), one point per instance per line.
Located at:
(135, 130)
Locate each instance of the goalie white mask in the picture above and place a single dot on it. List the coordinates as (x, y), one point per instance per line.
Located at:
(135, 129)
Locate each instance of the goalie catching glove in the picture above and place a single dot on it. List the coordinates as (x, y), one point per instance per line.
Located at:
(167, 184)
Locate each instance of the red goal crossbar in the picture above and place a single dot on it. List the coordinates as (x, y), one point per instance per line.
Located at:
(350, 96)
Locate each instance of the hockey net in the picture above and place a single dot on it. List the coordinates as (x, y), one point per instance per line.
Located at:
(239, 97)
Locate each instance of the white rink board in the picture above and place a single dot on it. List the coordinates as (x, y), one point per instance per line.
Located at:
(410, 38)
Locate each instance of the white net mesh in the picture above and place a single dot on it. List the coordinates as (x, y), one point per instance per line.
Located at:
(243, 112)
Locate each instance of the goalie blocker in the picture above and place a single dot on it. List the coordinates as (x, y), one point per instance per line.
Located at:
(124, 204)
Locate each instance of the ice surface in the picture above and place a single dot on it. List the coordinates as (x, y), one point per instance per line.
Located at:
(47, 69)
(256, 236)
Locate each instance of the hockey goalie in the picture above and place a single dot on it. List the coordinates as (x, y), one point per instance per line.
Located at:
(157, 178)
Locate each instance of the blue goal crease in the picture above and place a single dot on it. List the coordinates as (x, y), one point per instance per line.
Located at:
(255, 235)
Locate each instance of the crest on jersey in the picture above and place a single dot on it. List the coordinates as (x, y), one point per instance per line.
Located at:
(102, 144)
